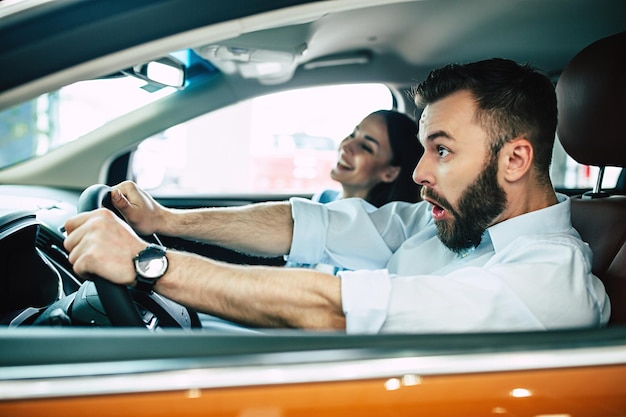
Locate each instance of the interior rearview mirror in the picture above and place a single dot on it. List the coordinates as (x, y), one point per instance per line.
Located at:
(163, 72)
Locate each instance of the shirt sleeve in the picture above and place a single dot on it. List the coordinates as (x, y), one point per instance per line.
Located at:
(351, 233)
(462, 301)
(365, 300)
(522, 288)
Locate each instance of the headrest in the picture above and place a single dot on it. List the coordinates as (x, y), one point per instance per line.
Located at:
(591, 94)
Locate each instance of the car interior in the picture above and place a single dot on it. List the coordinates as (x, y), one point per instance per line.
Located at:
(57, 326)
(576, 121)
(598, 215)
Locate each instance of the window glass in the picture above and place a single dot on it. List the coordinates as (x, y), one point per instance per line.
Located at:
(283, 143)
(38, 126)
(566, 173)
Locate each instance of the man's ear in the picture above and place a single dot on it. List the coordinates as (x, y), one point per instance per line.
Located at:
(390, 173)
(517, 157)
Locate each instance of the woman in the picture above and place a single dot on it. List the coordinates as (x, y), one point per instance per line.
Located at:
(376, 163)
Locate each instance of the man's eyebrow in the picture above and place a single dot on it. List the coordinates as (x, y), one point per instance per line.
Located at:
(438, 134)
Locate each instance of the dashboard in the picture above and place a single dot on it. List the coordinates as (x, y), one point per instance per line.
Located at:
(34, 270)
(38, 285)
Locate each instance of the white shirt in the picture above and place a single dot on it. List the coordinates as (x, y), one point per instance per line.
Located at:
(531, 272)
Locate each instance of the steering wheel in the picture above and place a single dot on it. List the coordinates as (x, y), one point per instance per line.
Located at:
(125, 306)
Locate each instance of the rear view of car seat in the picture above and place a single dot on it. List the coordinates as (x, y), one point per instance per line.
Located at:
(591, 94)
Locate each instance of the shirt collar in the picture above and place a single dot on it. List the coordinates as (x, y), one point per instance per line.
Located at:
(552, 219)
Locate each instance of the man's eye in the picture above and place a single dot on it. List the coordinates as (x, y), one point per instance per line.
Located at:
(443, 152)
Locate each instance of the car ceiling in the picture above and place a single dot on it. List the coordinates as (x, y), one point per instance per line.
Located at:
(432, 33)
(416, 35)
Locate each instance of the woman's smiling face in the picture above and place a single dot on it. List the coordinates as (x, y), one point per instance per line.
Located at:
(364, 158)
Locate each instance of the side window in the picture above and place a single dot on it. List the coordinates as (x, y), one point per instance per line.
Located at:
(283, 143)
(567, 174)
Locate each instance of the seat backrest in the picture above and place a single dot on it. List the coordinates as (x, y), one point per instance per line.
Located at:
(591, 94)
(602, 224)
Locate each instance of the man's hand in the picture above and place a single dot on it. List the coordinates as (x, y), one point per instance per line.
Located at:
(139, 209)
(262, 229)
(100, 243)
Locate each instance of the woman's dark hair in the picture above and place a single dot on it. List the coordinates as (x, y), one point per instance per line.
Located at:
(513, 100)
(406, 151)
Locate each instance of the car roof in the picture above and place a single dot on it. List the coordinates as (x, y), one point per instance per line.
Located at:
(412, 35)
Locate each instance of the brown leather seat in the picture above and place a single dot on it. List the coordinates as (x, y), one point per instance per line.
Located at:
(591, 95)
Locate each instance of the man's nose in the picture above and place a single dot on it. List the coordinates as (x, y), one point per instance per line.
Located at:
(423, 173)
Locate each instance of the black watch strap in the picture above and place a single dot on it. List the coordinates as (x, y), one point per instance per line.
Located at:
(143, 284)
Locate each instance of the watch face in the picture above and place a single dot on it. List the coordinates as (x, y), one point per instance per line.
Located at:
(152, 268)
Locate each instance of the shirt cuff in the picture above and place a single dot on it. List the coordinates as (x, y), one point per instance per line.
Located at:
(309, 231)
(365, 298)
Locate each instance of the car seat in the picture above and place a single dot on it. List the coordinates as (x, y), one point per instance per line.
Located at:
(591, 94)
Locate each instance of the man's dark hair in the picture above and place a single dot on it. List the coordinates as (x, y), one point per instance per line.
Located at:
(513, 100)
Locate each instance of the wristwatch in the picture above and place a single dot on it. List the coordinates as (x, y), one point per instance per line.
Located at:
(150, 265)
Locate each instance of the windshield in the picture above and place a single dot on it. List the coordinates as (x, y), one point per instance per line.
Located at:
(36, 127)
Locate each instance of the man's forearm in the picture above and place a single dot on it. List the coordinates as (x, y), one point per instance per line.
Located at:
(263, 229)
(255, 296)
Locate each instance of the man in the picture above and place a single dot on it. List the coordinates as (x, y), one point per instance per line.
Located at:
(490, 249)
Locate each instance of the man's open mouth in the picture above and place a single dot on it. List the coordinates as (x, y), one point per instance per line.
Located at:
(438, 212)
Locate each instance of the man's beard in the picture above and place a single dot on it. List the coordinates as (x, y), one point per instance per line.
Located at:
(481, 202)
